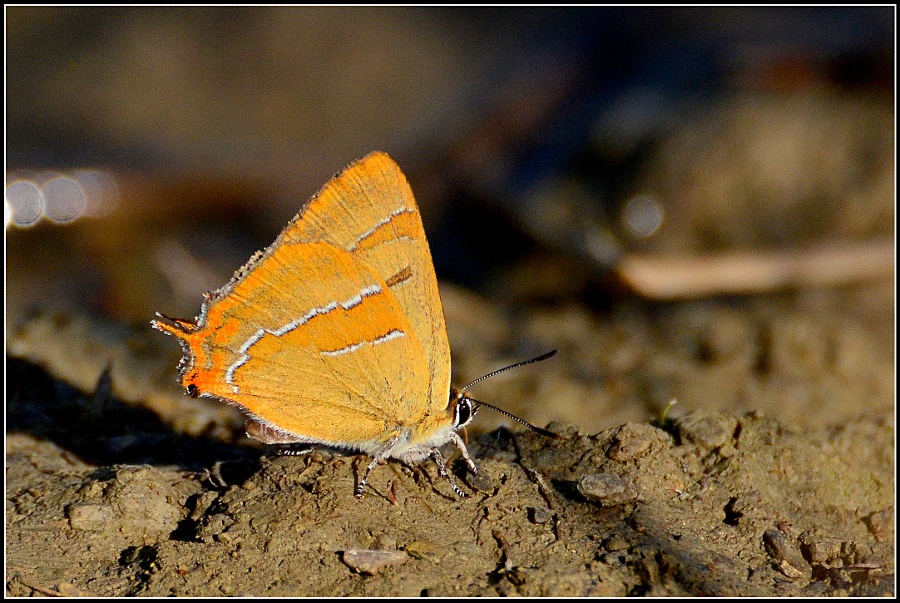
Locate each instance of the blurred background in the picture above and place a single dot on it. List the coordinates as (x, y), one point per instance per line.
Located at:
(151, 151)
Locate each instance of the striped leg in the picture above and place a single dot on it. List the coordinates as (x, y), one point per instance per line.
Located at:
(294, 449)
(365, 477)
(454, 437)
(442, 469)
(379, 456)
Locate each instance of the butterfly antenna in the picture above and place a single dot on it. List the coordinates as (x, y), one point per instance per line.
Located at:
(511, 366)
(543, 432)
(478, 403)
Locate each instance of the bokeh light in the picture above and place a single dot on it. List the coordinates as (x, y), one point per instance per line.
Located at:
(22, 204)
(62, 198)
(642, 215)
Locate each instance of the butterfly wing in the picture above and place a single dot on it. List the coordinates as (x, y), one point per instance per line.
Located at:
(335, 332)
(369, 210)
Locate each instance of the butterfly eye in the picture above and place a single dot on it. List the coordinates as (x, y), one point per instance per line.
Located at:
(464, 412)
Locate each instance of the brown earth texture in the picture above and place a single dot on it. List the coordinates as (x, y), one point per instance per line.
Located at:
(127, 487)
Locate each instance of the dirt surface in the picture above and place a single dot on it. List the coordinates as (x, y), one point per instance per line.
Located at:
(130, 488)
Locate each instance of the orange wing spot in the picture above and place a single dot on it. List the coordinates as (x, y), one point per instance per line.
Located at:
(226, 331)
(204, 381)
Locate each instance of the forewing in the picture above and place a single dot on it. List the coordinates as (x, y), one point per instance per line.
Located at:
(369, 211)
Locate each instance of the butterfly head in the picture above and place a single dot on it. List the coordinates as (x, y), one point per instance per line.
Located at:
(463, 407)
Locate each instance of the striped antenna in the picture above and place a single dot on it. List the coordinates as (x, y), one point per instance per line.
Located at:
(477, 404)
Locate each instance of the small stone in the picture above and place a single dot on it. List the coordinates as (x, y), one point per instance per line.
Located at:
(786, 556)
(881, 524)
(224, 538)
(89, 518)
(366, 561)
(821, 552)
(615, 543)
(565, 431)
(607, 489)
(479, 482)
(383, 542)
(539, 515)
(708, 431)
(202, 504)
(633, 441)
(146, 503)
(249, 485)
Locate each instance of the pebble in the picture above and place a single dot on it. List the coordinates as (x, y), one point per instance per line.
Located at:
(481, 482)
(367, 561)
(632, 441)
(539, 515)
(821, 552)
(88, 517)
(786, 555)
(708, 431)
(607, 489)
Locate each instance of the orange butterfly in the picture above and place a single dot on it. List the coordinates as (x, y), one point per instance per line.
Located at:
(334, 335)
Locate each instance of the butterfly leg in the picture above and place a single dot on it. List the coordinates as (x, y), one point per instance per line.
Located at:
(294, 449)
(454, 437)
(382, 454)
(365, 477)
(442, 469)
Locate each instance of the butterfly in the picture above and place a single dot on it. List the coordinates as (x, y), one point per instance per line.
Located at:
(334, 335)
